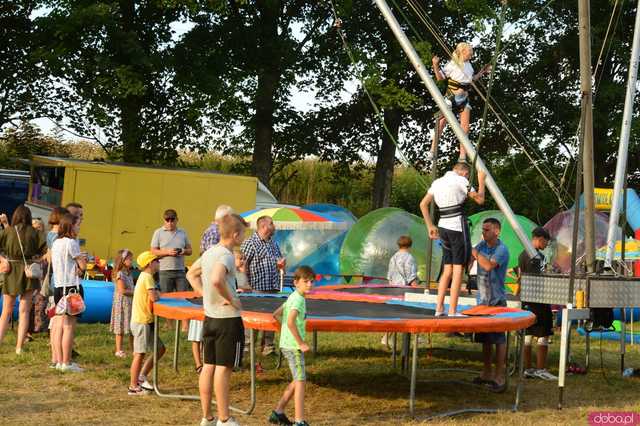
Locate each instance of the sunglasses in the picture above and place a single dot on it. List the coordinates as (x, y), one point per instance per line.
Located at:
(170, 219)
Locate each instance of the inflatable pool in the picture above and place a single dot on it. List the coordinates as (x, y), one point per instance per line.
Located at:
(98, 296)
(610, 335)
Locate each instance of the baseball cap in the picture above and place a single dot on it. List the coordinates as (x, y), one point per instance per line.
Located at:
(145, 258)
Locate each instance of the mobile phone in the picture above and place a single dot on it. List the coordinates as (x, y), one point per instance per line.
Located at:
(179, 250)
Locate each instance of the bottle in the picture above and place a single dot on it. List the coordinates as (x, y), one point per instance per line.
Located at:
(631, 372)
(580, 299)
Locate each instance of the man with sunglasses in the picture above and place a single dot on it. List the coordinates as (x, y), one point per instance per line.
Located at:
(171, 244)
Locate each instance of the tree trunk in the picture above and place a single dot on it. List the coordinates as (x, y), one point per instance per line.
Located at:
(131, 105)
(268, 80)
(385, 162)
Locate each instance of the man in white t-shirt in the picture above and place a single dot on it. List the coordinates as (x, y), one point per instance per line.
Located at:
(449, 193)
(213, 275)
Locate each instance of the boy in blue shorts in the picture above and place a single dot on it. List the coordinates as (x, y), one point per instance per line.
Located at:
(293, 347)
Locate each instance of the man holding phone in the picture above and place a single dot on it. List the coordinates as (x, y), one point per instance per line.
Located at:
(171, 244)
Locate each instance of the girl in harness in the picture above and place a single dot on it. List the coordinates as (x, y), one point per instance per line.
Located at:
(459, 75)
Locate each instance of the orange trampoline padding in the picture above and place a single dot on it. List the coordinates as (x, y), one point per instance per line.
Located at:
(354, 316)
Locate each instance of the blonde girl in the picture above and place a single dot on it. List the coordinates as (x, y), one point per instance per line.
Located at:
(460, 76)
(122, 299)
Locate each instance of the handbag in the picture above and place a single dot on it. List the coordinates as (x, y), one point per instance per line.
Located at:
(45, 289)
(70, 303)
(32, 271)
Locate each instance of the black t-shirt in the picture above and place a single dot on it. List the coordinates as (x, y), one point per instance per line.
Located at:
(529, 266)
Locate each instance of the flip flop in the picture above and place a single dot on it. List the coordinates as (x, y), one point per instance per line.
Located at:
(496, 388)
(480, 381)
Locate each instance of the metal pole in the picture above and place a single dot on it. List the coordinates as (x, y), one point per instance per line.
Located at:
(176, 346)
(414, 368)
(451, 119)
(587, 160)
(623, 147)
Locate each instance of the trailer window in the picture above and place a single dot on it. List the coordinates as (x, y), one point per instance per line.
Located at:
(46, 185)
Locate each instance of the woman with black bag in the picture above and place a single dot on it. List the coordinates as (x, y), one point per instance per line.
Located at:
(21, 245)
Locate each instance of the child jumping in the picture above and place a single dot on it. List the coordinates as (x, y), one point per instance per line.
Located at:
(142, 326)
(293, 347)
(459, 75)
(122, 299)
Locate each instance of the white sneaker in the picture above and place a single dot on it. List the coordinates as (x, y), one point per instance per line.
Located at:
(545, 375)
(230, 422)
(71, 368)
(205, 422)
(530, 373)
(146, 385)
(385, 340)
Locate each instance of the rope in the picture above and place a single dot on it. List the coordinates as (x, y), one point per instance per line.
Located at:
(432, 27)
(494, 61)
(375, 107)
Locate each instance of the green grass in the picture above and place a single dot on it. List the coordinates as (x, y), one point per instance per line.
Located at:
(350, 381)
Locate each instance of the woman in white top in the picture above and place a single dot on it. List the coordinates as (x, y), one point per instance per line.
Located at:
(459, 73)
(66, 262)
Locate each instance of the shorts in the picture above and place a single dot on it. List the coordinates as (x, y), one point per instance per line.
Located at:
(58, 293)
(171, 281)
(295, 358)
(223, 341)
(195, 331)
(143, 338)
(456, 245)
(543, 326)
(461, 100)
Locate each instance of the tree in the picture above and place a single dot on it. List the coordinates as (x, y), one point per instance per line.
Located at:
(112, 65)
(22, 91)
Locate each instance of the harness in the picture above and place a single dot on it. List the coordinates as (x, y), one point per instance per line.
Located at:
(453, 85)
(451, 211)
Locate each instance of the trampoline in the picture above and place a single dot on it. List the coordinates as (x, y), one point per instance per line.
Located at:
(348, 316)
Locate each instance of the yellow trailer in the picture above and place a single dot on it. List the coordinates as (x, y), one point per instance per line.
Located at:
(123, 204)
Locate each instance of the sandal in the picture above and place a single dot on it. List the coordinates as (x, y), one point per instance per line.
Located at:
(198, 369)
(480, 381)
(496, 388)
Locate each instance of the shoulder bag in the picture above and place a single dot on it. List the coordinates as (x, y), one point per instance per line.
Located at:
(32, 271)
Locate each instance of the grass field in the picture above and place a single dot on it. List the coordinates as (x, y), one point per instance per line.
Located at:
(350, 382)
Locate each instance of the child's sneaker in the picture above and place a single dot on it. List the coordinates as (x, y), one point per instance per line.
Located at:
(279, 419)
(230, 422)
(146, 385)
(71, 368)
(530, 373)
(136, 391)
(302, 423)
(207, 422)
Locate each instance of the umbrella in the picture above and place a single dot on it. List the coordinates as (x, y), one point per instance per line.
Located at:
(631, 250)
(295, 219)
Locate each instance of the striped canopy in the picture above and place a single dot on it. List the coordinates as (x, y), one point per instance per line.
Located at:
(631, 250)
(295, 219)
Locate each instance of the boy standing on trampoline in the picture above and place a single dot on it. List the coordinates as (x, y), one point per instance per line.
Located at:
(293, 347)
(449, 193)
(493, 259)
(543, 327)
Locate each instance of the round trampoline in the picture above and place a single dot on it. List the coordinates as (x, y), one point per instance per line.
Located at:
(355, 316)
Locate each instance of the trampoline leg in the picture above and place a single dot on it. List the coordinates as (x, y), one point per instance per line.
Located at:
(405, 352)
(176, 347)
(394, 350)
(507, 361)
(314, 343)
(587, 351)
(564, 353)
(623, 335)
(156, 386)
(414, 368)
(520, 364)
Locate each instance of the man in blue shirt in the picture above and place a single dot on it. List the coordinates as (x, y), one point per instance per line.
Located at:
(492, 257)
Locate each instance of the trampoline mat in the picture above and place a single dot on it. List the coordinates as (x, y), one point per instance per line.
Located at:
(382, 291)
(336, 308)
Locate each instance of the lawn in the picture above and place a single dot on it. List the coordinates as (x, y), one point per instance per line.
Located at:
(350, 381)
